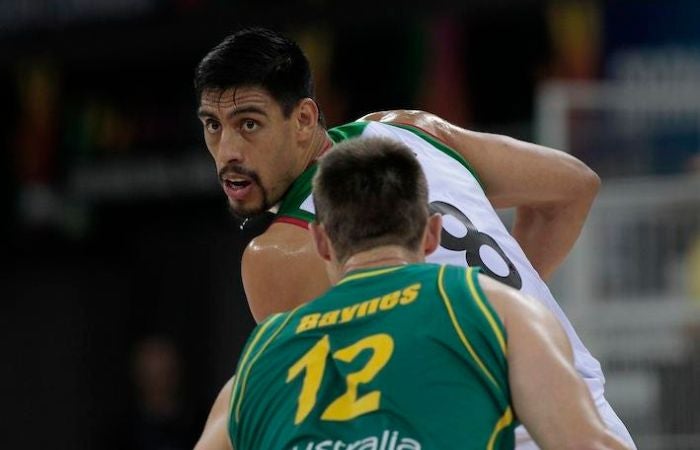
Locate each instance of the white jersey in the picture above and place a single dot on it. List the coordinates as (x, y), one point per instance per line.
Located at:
(472, 235)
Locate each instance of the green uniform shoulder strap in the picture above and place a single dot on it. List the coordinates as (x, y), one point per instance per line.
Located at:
(293, 208)
(473, 311)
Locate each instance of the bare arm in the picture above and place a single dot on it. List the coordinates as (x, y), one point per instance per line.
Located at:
(551, 190)
(215, 435)
(281, 270)
(549, 397)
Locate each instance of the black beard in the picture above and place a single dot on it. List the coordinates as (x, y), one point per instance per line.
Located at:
(246, 214)
(250, 217)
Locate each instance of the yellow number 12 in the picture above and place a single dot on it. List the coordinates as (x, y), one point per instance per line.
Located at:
(347, 406)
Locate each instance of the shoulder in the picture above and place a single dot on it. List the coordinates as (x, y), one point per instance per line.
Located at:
(425, 121)
(280, 270)
(277, 247)
(463, 140)
(460, 143)
(278, 237)
(407, 116)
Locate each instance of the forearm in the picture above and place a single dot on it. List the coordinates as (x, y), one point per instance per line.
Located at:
(547, 234)
(215, 435)
(552, 196)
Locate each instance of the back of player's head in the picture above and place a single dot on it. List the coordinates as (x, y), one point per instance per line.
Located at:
(257, 57)
(370, 192)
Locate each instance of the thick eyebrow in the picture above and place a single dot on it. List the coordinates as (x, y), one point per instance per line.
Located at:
(201, 112)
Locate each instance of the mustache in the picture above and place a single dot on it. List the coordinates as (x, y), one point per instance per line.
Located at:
(237, 169)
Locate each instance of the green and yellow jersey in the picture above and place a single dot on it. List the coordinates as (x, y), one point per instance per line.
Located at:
(393, 358)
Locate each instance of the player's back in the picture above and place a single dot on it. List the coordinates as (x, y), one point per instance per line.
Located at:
(407, 357)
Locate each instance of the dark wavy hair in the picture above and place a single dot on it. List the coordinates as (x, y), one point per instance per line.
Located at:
(257, 57)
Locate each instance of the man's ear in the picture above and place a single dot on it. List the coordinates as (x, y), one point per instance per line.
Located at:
(433, 230)
(321, 241)
(306, 116)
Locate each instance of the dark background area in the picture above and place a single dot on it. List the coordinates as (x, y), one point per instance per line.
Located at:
(115, 233)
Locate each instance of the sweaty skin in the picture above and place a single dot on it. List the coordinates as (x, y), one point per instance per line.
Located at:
(281, 270)
(551, 191)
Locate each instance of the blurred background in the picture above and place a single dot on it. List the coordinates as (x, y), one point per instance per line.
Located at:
(121, 308)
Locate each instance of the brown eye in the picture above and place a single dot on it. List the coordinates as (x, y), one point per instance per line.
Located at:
(250, 125)
(212, 126)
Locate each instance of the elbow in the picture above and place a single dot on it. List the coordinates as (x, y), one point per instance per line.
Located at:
(584, 186)
(587, 182)
(592, 181)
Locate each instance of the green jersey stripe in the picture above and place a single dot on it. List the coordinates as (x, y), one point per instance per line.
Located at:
(503, 423)
(253, 341)
(299, 191)
(255, 358)
(347, 131)
(367, 274)
(458, 329)
(449, 151)
(479, 296)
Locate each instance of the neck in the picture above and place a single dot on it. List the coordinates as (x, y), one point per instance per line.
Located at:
(389, 255)
(320, 142)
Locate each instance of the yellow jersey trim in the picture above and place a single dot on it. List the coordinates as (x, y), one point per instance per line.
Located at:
(505, 420)
(255, 358)
(458, 329)
(244, 359)
(471, 282)
(371, 273)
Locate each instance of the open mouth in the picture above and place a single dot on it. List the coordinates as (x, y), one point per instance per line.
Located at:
(237, 183)
(237, 187)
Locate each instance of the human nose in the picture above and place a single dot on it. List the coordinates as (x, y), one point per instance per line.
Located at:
(230, 149)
